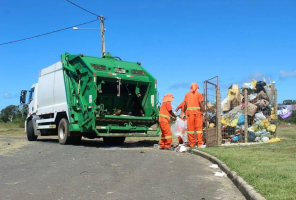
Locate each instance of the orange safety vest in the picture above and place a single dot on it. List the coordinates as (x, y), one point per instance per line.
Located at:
(165, 109)
(193, 101)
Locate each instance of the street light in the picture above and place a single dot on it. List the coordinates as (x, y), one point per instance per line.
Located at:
(76, 28)
(102, 28)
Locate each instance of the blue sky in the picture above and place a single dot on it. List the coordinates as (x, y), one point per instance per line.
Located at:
(178, 41)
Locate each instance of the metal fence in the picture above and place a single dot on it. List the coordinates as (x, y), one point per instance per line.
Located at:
(212, 126)
(247, 114)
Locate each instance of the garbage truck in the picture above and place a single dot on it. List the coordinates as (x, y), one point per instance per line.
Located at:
(92, 97)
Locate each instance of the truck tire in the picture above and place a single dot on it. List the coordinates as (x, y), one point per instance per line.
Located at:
(30, 132)
(113, 141)
(63, 132)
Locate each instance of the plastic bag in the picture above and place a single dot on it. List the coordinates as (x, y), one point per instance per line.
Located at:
(265, 139)
(254, 83)
(265, 123)
(248, 86)
(179, 127)
(231, 94)
(241, 119)
(259, 116)
(271, 128)
(274, 140)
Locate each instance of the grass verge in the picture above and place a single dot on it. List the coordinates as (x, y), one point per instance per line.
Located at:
(270, 167)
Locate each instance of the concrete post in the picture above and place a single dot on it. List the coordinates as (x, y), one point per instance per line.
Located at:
(102, 35)
(218, 116)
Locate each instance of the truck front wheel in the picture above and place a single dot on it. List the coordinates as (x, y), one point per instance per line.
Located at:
(63, 132)
(30, 132)
(113, 141)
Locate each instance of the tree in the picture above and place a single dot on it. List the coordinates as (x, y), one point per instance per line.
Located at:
(9, 113)
(23, 111)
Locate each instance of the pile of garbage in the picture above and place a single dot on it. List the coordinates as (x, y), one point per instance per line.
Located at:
(260, 112)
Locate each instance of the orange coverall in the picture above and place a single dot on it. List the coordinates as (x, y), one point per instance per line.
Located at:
(194, 116)
(164, 121)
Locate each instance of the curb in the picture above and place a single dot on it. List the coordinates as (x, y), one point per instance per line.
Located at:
(247, 190)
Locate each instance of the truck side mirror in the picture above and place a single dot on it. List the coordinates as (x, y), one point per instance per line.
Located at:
(23, 96)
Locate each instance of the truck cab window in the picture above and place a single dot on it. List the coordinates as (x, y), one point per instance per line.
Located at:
(31, 95)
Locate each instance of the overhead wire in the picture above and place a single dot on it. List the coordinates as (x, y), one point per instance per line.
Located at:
(51, 32)
(82, 8)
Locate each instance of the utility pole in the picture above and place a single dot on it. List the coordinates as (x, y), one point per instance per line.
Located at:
(102, 35)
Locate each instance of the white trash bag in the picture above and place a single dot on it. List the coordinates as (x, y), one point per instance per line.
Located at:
(179, 128)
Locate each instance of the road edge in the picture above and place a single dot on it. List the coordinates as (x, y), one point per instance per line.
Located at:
(247, 190)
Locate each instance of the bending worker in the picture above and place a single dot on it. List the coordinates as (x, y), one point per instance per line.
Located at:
(194, 109)
(182, 115)
(165, 114)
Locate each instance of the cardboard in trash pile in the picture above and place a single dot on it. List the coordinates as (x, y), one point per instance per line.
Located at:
(252, 109)
(210, 107)
(237, 98)
(226, 106)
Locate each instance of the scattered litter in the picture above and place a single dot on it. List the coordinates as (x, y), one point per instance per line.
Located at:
(142, 151)
(214, 166)
(202, 146)
(8, 143)
(182, 149)
(220, 174)
(109, 192)
(265, 139)
(156, 146)
(272, 140)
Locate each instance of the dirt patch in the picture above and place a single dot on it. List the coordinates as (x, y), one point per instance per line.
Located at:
(11, 146)
(12, 132)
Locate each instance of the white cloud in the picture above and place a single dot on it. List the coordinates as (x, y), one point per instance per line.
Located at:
(258, 76)
(287, 74)
(7, 95)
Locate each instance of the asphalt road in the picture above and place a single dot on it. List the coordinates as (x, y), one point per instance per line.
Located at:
(46, 170)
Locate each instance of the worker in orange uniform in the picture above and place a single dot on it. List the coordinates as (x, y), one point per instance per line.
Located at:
(165, 114)
(182, 115)
(194, 110)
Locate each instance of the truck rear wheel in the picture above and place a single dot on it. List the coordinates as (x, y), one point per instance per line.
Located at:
(30, 132)
(113, 141)
(63, 132)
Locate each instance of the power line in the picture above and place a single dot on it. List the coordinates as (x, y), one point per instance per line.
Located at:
(70, 27)
(82, 8)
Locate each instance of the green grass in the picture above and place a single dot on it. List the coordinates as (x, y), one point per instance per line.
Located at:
(270, 168)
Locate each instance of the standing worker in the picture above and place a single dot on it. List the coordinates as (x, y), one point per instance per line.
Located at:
(194, 109)
(165, 114)
(182, 115)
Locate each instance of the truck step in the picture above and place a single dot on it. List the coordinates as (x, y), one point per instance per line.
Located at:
(46, 127)
(39, 121)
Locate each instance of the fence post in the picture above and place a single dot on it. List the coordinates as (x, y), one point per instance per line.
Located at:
(218, 116)
(246, 115)
(275, 111)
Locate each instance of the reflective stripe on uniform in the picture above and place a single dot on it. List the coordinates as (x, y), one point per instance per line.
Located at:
(192, 132)
(165, 116)
(166, 137)
(193, 108)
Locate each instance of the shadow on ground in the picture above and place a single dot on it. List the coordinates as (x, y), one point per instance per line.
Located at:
(98, 143)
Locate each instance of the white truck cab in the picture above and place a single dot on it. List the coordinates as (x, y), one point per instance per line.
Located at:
(33, 99)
